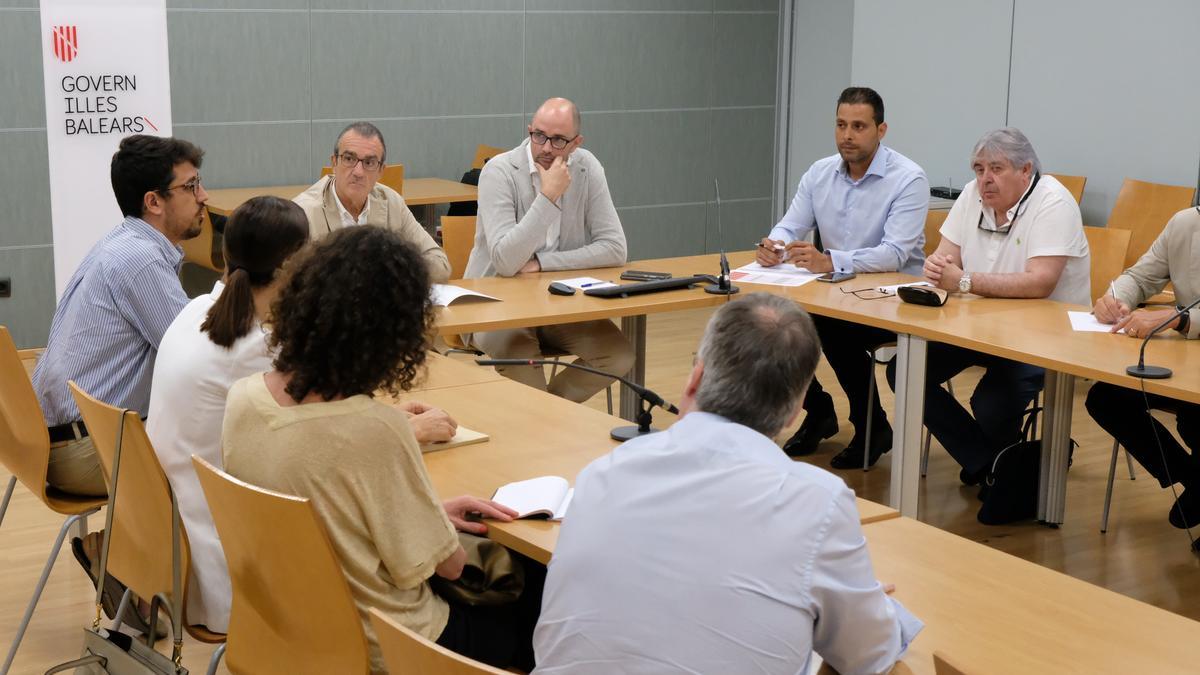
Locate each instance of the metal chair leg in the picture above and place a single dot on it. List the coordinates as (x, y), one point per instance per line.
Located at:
(870, 416)
(119, 618)
(608, 393)
(925, 454)
(12, 483)
(1129, 464)
(37, 590)
(216, 659)
(1112, 472)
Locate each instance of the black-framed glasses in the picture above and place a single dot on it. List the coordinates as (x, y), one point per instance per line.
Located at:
(192, 186)
(349, 159)
(1007, 227)
(858, 293)
(556, 142)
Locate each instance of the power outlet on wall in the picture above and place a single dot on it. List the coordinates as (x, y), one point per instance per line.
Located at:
(5, 287)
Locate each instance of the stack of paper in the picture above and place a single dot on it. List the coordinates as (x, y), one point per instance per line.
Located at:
(780, 275)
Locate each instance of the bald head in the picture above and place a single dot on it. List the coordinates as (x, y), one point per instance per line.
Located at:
(558, 113)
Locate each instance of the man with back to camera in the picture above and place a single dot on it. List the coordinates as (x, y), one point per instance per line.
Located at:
(704, 548)
(545, 205)
(1174, 257)
(352, 195)
(1014, 232)
(868, 203)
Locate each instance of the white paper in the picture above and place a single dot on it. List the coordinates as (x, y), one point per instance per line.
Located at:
(780, 275)
(1087, 322)
(444, 294)
(582, 283)
(549, 495)
(891, 290)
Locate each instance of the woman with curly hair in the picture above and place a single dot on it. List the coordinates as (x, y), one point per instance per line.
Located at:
(352, 319)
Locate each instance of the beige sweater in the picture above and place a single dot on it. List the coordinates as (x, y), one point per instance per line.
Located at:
(1173, 257)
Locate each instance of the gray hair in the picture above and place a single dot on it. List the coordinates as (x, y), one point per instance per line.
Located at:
(364, 129)
(1010, 144)
(759, 355)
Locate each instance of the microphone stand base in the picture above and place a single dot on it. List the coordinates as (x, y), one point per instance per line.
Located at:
(716, 289)
(630, 432)
(1149, 372)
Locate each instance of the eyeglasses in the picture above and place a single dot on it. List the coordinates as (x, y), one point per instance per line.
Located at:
(556, 142)
(861, 293)
(1017, 212)
(349, 159)
(192, 186)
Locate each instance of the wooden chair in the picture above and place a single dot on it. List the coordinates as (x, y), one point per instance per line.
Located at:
(483, 153)
(25, 451)
(407, 652)
(393, 176)
(1073, 183)
(141, 542)
(458, 238)
(29, 359)
(946, 665)
(202, 250)
(292, 609)
(1108, 247)
(1144, 209)
(933, 230)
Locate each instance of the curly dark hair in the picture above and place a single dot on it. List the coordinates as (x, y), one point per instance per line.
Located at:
(353, 316)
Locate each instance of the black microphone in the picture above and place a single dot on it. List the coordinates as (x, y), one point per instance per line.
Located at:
(723, 285)
(622, 433)
(1155, 372)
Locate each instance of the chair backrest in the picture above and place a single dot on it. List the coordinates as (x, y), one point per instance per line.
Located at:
(29, 359)
(199, 250)
(1108, 247)
(1144, 209)
(292, 609)
(393, 176)
(933, 227)
(946, 665)
(458, 237)
(407, 652)
(483, 153)
(140, 548)
(1074, 184)
(24, 441)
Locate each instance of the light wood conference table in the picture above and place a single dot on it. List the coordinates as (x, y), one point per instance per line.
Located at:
(1001, 614)
(416, 192)
(1031, 331)
(532, 433)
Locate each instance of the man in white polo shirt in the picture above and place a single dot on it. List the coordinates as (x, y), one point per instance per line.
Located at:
(1013, 233)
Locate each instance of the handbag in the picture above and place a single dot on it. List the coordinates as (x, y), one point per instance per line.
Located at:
(113, 653)
(491, 576)
(1010, 490)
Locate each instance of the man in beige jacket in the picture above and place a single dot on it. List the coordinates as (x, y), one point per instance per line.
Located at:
(544, 206)
(352, 195)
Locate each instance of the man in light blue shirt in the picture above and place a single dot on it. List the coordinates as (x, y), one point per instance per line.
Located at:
(703, 548)
(868, 205)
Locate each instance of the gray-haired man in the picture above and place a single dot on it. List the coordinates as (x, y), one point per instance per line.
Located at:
(696, 530)
(1013, 233)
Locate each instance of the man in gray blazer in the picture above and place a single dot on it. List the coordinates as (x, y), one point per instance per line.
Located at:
(544, 205)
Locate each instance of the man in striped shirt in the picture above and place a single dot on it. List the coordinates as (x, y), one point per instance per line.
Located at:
(119, 302)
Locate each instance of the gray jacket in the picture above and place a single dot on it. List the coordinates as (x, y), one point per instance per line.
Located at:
(514, 219)
(1175, 257)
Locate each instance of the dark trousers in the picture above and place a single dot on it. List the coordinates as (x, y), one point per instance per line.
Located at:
(500, 635)
(846, 346)
(1123, 414)
(998, 403)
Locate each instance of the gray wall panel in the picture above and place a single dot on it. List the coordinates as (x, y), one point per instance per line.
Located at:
(742, 223)
(417, 65)
(663, 231)
(652, 158)
(237, 155)
(25, 197)
(223, 80)
(742, 143)
(23, 103)
(420, 5)
(28, 312)
(1109, 101)
(583, 6)
(619, 61)
(943, 91)
(744, 59)
(236, 4)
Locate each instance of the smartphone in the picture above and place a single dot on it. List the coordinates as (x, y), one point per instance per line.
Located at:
(636, 275)
(836, 277)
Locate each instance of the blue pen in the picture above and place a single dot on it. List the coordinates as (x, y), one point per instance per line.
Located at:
(593, 283)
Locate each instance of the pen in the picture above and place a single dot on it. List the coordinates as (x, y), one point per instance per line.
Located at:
(593, 283)
(1112, 289)
(776, 247)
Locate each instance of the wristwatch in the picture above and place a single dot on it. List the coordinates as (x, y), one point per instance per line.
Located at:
(964, 283)
(1184, 320)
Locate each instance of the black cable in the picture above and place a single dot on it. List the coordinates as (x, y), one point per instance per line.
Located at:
(1162, 454)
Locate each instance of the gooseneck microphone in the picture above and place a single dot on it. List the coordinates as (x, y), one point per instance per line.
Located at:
(723, 286)
(1155, 372)
(622, 433)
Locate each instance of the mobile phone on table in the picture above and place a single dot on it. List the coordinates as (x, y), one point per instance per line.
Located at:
(637, 275)
(836, 277)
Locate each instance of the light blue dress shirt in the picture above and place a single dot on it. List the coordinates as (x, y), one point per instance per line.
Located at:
(705, 549)
(109, 322)
(874, 224)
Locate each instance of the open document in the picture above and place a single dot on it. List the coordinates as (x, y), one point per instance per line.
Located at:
(784, 274)
(444, 294)
(542, 497)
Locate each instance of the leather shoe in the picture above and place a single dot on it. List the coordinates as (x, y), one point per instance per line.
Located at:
(852, 456)
(87, 554)
(969, 478)
(1186, 512)
(815, 428)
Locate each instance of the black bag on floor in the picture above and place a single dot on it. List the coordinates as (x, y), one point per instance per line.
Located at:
(1010, 490)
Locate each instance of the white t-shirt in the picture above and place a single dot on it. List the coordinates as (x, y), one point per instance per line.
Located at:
(1047, 224)
(192, 377)
(552, 232)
